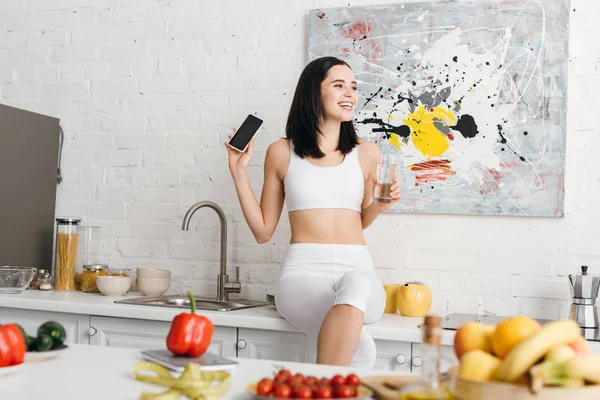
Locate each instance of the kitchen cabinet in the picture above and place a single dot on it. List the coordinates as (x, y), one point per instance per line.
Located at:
(275, 345)
(396, 356)
(393, 356)
(292, 346)
(417, 357)
(76, 325)
(147, 335)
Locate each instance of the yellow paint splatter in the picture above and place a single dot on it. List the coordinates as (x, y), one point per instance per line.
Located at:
(394, 140)
(424, 134)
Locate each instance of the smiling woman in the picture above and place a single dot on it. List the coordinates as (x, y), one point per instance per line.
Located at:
(327, 286)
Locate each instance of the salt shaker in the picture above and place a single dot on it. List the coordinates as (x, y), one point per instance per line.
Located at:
(42, 280)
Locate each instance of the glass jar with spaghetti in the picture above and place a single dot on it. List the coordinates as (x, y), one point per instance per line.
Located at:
(67, 238)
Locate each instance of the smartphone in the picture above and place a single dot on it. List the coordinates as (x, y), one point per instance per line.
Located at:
(241, 138)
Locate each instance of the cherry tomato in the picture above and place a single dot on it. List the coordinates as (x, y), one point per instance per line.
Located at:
(337, 380)
(281, 378)
(299, 376)
(353, 379)
(324, 392)
(325, 382)
(265, 387)
(303, 392)
(296, 381)
(345, 391)
(284, 372)
(311, 380)
(283, 391)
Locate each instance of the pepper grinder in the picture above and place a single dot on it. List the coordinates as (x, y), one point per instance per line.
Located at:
(584, 290)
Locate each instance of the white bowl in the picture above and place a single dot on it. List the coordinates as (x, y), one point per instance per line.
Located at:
(152, 286)
(153, 273)
(113, 285)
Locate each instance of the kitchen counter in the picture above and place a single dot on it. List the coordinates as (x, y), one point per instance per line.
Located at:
(92, 372)
(389, 327)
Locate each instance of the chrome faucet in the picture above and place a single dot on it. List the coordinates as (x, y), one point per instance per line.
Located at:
(224, 287)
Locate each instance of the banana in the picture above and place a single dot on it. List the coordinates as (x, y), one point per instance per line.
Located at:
(584, 366)
(561, 353)
(572, 372)
(551, 371)
(525, 354)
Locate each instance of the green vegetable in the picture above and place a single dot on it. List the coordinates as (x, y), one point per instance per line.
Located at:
(26, 337)
(53, 329)
(43, 343)
(32, 344)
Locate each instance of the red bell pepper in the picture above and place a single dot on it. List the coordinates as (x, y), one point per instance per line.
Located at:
(12, 345)
(190, 334)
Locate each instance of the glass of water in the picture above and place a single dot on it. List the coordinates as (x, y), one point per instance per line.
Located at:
(386, 172)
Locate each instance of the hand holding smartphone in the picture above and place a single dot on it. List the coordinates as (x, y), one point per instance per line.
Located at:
(245, 133)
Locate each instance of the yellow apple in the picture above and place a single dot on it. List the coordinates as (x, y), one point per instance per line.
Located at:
(478, 365)
(473, 336)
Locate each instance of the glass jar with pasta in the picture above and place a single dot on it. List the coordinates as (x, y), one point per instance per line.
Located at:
(67, 239)
(86, 279)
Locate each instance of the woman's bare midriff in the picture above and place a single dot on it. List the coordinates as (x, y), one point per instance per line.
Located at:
(327, 225)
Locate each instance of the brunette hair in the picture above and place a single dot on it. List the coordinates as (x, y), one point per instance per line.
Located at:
(307, 112)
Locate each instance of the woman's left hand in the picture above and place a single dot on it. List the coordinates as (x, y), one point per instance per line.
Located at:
(394, 194)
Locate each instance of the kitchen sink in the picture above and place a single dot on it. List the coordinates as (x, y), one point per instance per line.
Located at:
(202, 303)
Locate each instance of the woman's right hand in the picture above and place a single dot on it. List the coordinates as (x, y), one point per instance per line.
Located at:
(238, 161)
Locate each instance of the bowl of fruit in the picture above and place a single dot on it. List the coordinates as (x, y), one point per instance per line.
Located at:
(520, 359)
(298, 386)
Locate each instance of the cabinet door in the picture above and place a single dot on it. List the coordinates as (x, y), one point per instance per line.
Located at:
(148, 335)
(275, 345)
(76, 325)
(393, 356)
(417, 357)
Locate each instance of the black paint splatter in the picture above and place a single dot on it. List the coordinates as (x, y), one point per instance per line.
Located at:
(466, 126)
(371, 98)
(402, 130)
(455, 59)
(504, 141)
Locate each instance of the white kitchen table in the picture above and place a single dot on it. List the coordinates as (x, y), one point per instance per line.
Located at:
(106, 373)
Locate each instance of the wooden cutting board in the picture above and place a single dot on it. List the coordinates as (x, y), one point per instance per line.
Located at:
(387, 387)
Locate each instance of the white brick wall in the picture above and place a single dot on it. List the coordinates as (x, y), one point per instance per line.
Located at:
(147, 91)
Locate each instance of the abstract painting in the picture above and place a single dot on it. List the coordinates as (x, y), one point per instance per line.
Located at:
(471, 94)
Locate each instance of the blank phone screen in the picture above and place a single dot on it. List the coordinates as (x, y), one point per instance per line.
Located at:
(242, 136)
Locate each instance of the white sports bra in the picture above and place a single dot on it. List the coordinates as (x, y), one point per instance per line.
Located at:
(308, 186)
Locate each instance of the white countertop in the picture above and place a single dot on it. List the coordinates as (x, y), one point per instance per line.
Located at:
(94, 372)
(390, 327)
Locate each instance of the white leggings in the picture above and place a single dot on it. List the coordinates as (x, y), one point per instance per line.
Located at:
(315, 277)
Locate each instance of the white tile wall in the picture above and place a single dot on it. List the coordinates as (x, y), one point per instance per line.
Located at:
(147, 91)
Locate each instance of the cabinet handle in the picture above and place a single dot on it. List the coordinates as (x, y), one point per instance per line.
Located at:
(416, 361)
(400, 359)
(92, 331)
(241, 344)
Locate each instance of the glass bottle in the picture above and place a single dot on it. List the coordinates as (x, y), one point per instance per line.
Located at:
(42, 280)
(67, 238)
(429, 387)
